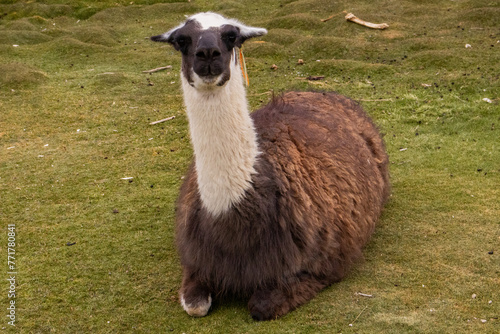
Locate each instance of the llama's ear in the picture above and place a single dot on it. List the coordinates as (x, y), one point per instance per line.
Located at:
(168, 37)
(247, 32)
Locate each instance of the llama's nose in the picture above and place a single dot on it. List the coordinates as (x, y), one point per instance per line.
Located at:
(207, 48)
(208, 54)
(208, 61)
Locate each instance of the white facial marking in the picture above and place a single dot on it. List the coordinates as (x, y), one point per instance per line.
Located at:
(212, 20)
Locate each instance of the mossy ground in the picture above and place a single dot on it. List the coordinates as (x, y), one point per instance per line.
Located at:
(95, 253)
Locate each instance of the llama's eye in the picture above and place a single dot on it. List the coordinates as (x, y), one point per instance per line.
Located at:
(182, 41)
(231, 37)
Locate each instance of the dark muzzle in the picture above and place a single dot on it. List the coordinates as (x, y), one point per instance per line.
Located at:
(208, 56)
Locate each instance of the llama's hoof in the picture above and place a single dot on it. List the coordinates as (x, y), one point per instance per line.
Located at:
(198, 307)
(258, 316)
(261, 312)
(267, 305)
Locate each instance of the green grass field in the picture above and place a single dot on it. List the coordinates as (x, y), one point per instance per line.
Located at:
(94, 253)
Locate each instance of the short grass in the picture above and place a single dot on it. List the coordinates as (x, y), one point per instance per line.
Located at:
(95, 253)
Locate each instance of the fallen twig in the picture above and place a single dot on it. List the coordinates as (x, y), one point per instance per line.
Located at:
(162, 120)
(315, 77)
(158, 69)
(351, 17)
(364, 295)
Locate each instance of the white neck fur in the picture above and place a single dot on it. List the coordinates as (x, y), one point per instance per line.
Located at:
(224, 141)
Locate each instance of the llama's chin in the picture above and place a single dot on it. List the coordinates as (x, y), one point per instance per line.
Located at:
(209, 82)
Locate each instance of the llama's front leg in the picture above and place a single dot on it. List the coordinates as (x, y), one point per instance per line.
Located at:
(268, 304)
(195, 297)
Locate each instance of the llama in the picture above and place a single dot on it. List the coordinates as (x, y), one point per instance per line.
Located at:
(277, 204)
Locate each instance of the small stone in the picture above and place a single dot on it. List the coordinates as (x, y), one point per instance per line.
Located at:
(474, 296)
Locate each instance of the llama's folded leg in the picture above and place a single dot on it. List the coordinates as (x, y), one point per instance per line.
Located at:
(269, 304)
(195, 297)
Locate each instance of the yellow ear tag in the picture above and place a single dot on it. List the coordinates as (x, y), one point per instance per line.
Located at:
(243, 66)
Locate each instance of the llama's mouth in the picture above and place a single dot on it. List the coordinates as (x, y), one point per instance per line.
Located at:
(209, 81)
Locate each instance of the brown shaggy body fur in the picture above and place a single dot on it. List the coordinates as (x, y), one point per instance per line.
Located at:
(320, 186)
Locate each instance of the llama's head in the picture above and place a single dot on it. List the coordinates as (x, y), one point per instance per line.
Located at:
(208, 43)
